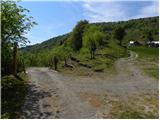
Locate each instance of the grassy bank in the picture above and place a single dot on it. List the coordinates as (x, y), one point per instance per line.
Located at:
(14, 90)
(148, 60)
(102, 63)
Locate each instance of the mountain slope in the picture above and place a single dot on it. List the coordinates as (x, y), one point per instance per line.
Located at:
(48, 44)
(107, 48)
(135, 30)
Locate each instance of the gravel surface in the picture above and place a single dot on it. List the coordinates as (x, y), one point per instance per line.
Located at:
(53, 95)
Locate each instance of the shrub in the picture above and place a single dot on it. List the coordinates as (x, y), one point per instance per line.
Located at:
(13, 94)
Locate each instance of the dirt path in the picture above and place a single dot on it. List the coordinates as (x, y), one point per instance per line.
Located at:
(53, 95)
(50, 97)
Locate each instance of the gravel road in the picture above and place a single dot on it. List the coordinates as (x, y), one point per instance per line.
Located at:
(54, 95)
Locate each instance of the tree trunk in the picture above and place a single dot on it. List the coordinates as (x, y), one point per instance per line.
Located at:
(55, 68)
(15, 59)
(24, 69)
(55, 62)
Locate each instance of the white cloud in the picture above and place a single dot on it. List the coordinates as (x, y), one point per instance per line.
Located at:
(150, 10)
(115, 11)
(104, 11)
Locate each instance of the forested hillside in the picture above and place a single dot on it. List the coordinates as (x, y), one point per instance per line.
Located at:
(94, 45)
(136, 30)
(48, 44)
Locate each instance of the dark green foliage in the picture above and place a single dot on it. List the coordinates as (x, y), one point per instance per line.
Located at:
(13, 94)
(6, 59)
(20, 63)
(15, 23)
(15, 58)
(55, 63)
(78, 34)
(119, 34)
(149, 36)
(135, 29)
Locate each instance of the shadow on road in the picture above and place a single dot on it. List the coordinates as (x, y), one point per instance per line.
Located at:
(33, 107)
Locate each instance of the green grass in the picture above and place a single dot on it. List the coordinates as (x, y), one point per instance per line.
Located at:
(104, 58)
(152, 71)
(140, 106)
(146, 53)
(148, 60)
(13, 94)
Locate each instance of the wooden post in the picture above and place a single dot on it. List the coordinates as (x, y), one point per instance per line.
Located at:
(15, 59)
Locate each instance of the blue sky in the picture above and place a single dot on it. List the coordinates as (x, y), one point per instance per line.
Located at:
(59, 17)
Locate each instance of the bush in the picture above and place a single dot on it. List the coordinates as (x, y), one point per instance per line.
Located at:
(13, 94)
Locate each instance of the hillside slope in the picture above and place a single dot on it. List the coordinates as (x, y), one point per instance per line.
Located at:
(135, 29)
(91, 47)
(48, 44)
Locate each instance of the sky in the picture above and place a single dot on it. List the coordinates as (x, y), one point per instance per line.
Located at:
(59, 17)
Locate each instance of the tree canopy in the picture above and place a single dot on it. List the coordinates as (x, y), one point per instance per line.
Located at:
(78, 34)
(14, 25)
(92, 39)
(119, 34)
(15, 22)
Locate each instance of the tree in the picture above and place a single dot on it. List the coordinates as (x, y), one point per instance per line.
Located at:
(92, 48)
(15, 58)
(55, 62)
(78, 33)
(149, 36)
(92, 39)
(6, 59)
(21, 62)
(119, 34)
(14, 25)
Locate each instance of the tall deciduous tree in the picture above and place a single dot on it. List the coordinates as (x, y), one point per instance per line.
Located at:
(119, 34)
(14, 25)
(92, 39)
(149, 36)
(78, 34)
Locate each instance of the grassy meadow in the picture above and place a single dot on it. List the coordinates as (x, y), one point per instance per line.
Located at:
(148, 60)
